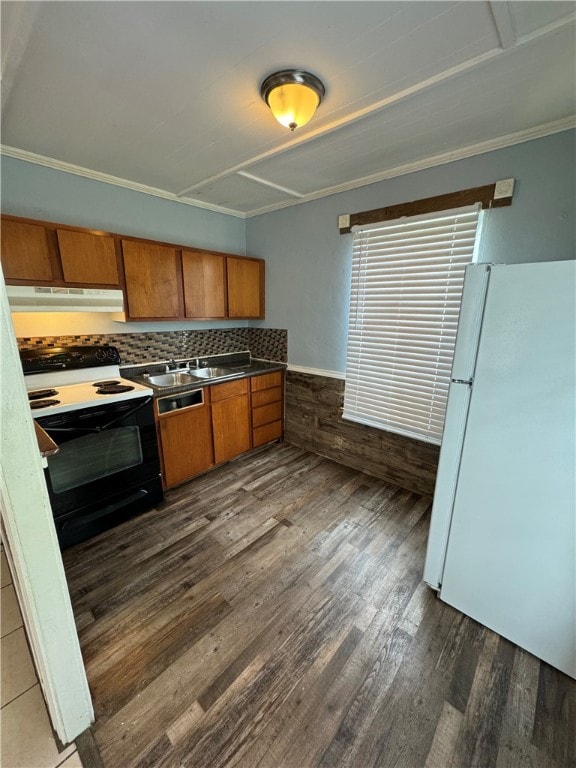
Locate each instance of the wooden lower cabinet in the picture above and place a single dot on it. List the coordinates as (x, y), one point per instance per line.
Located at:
(186, 443)
(230, 419)
(267, 433)
(267, 411)
(233, 417)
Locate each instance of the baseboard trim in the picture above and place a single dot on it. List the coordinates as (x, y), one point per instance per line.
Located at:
(317, 372)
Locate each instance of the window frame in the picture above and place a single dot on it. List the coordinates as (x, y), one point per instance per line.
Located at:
(364, 394)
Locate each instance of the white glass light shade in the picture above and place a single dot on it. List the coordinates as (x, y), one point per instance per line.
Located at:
(293, 104)
(293, 95)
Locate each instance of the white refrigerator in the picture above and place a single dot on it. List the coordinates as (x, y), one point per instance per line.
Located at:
(502, 542)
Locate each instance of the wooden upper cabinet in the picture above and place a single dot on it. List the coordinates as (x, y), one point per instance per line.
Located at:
(26, 252)
(88, 258)
(245, 287)
(204, 276)
(153, 280)
(161, 281)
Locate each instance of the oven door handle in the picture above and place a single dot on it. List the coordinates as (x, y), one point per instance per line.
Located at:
(68, 430)
(101, 428)
(122, 416)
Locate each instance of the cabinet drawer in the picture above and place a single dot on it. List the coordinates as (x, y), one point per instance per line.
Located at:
(267, 433)
(266, 381)
(228, 389)
(266, 414)
(266, 396)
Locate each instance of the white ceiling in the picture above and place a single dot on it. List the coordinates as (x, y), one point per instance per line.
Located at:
(164, 96)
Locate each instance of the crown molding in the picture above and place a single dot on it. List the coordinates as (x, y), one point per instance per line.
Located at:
(471, 150)
(481, 148)
(87, 173)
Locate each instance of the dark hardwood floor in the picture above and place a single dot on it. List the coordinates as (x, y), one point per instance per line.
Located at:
(272, 614)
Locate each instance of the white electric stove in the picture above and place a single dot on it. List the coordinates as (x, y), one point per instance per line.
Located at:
(107, 468)
(56, 385)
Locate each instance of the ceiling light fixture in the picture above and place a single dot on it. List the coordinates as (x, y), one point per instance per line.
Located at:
(293, 96)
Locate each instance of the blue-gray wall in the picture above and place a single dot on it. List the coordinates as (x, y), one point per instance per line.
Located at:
(308, 262)
(39, 192)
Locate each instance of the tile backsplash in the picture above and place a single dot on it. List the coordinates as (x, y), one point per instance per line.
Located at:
(134, 348)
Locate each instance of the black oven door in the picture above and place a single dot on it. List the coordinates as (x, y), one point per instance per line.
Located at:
(107, 468)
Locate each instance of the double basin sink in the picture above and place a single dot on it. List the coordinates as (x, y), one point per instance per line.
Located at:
(190, 375)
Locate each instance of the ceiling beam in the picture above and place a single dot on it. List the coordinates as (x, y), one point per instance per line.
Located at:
(17, 23)
(271, 184)
(348, 120)
(502, 15)
(378, 106)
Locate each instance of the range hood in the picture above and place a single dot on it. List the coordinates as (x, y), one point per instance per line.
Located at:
(28, 298)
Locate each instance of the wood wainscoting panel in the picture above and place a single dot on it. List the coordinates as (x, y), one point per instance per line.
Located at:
(314, 421)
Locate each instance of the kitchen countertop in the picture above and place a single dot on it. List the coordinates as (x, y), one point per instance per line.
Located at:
(253, 368)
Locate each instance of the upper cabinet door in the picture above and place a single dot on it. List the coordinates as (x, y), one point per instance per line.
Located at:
(204, 276)
(153, 280)
(88, 258)
(245, 287)
(26, 252)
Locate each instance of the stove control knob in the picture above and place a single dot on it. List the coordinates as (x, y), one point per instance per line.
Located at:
(101, 354)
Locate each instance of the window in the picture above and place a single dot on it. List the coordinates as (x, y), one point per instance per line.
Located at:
(407, 278)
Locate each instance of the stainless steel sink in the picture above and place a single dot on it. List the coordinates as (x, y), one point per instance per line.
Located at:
(176, 379)
(189, 376)
(213, 373)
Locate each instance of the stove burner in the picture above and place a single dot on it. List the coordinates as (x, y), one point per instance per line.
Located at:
(43, 403)
(109, 383)
(114, 389)
(41, 393)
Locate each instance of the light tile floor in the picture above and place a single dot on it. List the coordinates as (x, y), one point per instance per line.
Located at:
(26, 738)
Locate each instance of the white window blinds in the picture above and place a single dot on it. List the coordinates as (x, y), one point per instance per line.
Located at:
(407, 278)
